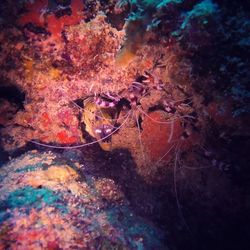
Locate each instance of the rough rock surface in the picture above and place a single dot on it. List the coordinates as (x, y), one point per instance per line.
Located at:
(47, 203)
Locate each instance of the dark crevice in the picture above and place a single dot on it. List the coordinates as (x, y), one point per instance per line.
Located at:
(13, 94)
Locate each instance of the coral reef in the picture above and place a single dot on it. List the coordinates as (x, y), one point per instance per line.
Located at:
(56, 59)
(44, 206)
(85, 64)
(169, 20)
(165, 82)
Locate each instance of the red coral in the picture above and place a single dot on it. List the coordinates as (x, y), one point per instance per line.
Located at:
(34, 13)
(53, 245)
(46, 121)
(159, 138)
(162, 138)
(64, 138)
(54, 25)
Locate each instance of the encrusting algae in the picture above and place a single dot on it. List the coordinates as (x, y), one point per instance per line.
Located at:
(47, 207)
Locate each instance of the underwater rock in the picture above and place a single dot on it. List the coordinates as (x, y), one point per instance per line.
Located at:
(7, 111)
(189, 22)
(46, 202)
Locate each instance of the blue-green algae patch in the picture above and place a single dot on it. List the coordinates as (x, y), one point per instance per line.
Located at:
(33, 167)
(29, 168)
(200, 11)
(30, 197)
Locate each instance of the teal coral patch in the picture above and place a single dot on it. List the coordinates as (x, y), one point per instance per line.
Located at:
(201, 10)
(28, 168)
(29, 197)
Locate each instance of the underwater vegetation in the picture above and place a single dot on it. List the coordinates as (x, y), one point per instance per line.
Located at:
(149, 98)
